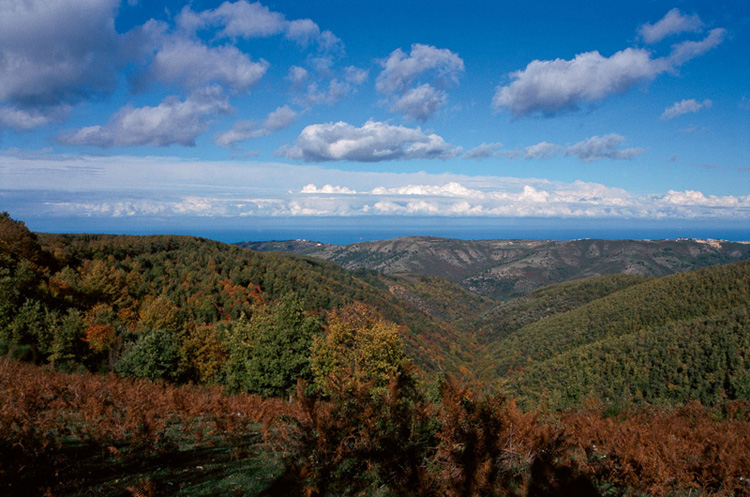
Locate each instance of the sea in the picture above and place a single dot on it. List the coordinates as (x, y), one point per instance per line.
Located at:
(344, 231)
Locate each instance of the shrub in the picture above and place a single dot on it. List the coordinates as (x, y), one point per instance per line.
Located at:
(154, 355)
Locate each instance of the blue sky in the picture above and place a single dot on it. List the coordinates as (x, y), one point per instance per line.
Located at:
(135, 111)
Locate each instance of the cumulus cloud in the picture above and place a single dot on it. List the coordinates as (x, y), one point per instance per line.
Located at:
(330, 94)
(161, 186)
(420, 103)
(484, 151)
(373, 142)
(696, 198)
(328, 88)
(525, 198)
(675, 22)
(415, 84)
(355, 75)
(327, 189)
(192, 64)
(47, 64)
(243, 19)
(22, 119)
(553, 86)
(171, 122)
(452, 189)
(401, 70)
(602, 147)
(279, 119)
(542, 150)
(566, 200)
(297, 76)
(684, 107)
(686, 50)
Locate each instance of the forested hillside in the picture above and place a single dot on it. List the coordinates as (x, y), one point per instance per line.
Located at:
(178, 307)
(663, 340)
(510, 268)
(191, 309)
(587, 387)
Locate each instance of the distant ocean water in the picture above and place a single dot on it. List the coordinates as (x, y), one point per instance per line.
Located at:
(342, 231)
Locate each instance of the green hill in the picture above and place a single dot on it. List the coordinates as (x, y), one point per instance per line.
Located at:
(87, 299)
(191, 309)
(613, 346)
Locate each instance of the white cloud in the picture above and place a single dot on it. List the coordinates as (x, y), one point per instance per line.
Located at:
(675, 22)
(452, 189)
(241, 131)
(602, 147)
(684, 107)
(192, 64)
(355, 75)
(54, 53)
(420, 103)
(533, 195)
(335, 91)
(696, 198)
(484, 151)
(542, 150)
(243, 19)
(327, 189)
(401, 70)
(21, 119)
(327, 89)
(373, 142)
(279, 119)
(322, 65)
(432, 70)
(297, 76)
(171, 122)
(686, 50)
(166, 187)
(553, 86)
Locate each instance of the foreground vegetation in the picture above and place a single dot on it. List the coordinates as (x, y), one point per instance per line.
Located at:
(84, 434)
(168, 365)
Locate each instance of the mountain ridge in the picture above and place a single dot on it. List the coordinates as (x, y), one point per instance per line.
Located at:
(510, 268)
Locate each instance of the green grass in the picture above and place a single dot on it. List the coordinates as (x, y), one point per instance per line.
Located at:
(244, 468)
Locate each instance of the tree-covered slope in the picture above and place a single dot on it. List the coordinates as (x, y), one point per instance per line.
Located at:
(508, 316)
(93, 299)
(705, 359)
(613, 346)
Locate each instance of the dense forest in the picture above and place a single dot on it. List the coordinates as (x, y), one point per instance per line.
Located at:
(361, 383)
(120, 302)
(665, 340)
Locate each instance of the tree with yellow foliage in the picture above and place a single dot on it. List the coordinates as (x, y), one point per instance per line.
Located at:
(358, 348)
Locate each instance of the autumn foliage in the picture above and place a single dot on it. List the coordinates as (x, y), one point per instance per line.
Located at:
(465, 445)
(44, 413)
(392, 438)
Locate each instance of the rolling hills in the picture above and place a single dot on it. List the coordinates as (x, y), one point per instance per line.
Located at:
(85, 299)
(503, 269)
(659, 340)
(185, 309)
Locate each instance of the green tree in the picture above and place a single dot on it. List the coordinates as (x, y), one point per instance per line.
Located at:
(155, 354)
(67, 339)
(271, 350)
